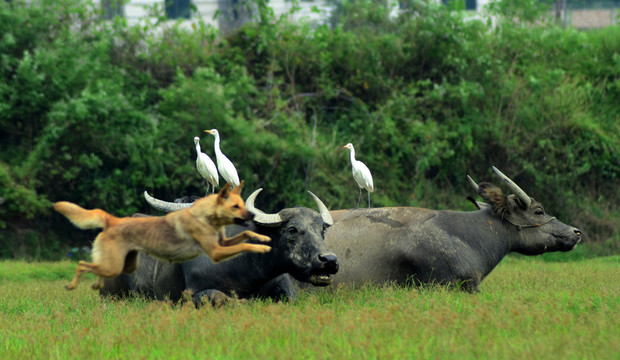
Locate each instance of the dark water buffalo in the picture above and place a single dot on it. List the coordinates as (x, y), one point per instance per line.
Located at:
(413, 245)
(298, 250)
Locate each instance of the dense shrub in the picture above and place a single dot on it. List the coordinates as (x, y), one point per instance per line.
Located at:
(97, 111)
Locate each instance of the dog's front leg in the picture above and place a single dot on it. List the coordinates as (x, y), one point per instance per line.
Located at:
(241, 237)
(219, 253)
(209, 241)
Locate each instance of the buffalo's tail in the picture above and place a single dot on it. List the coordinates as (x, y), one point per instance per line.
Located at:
(85, 219)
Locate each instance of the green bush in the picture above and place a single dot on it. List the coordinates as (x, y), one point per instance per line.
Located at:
(96, 111)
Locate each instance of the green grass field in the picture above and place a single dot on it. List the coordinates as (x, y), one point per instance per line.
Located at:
(527, 309)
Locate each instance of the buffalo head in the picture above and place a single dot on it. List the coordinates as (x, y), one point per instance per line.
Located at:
(297, 235)
(538, 231)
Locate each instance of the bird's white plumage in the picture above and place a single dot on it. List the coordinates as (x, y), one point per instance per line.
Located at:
(206, 167)
(224, 165)
(361, 174)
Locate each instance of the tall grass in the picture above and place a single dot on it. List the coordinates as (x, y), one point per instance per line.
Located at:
(527, 309)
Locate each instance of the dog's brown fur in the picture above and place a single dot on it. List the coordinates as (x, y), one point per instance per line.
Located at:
(179, 236)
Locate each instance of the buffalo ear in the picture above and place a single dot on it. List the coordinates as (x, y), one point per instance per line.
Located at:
(493, 196)
(513, 202)
(223, 194)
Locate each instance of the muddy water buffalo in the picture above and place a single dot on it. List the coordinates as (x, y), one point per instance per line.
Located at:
(298, 250)
(413, 245)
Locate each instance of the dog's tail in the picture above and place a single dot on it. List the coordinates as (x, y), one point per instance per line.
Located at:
(85, 219)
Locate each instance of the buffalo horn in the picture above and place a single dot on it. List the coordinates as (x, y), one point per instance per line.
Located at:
(164, 205)
(327, 217)
(521, 195)
(472, 183)
(259, 215)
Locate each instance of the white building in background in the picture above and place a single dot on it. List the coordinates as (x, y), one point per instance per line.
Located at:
(231, 14)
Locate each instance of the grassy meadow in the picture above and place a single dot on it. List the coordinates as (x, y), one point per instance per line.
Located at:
(528, 308)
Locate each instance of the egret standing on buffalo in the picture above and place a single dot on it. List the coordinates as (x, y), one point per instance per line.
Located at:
(361, 174)
(206, 167)
(225, 166)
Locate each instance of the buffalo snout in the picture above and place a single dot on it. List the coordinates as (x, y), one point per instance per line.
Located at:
(578, 234)
(576, 239)
(574, 236)
(323, 267)
(567, 241)
(329, 262)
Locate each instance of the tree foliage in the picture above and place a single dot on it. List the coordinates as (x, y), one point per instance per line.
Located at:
(97, 111)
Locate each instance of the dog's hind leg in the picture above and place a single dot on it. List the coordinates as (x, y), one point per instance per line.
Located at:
(83, 267)
(113, 259)
(111, 268)
(108, 261)
(99, 284)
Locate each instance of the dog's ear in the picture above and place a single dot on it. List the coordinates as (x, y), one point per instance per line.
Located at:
(237, 190)
(223, 194)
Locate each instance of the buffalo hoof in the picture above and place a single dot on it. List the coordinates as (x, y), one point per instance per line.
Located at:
(215, 298)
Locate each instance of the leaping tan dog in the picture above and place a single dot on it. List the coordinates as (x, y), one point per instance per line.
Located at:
(179, 236)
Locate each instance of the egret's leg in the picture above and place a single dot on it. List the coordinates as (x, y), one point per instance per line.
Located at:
(207, 184)
(359, 199)
(368, 198)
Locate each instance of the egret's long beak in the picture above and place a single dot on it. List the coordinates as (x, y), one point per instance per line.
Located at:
(209, 131)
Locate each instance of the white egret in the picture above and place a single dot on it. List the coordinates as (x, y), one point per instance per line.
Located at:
(224, 165)
(206, 168)
(361, 174)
